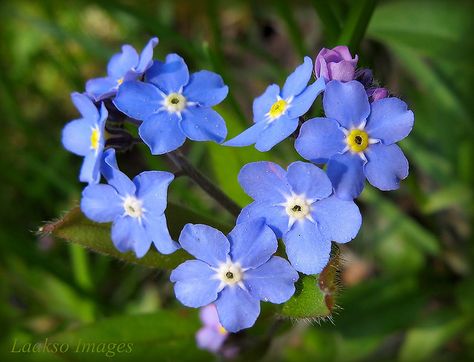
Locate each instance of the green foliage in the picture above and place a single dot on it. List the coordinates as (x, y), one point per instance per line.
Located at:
(406, 280)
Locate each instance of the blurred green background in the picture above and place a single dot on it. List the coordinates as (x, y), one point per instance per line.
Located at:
(407, 286)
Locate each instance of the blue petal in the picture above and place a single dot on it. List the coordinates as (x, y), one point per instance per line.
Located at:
(152, 189)
(101, 203)
(76, 136)
(347, 175)
(347, 103)
(170, 76)
(307, 248)
(247, 137)
(157, 230)
(237, 309)
(339, 220)
(264, 181)
(85, 106)
(308, 180)
(252, 243)
(276, 132)
(390, 120)
(90, 170)
(138, 100)
(101, 88)
(145, 60)
(129, 235)
(162, 133)
(203, 124)
(205, 243)
(272, 282)
(121, 63)
(320, 139)
(206, 88)
(298, 80)
(275, 216)
(303, 102)
(114, 176)
(263, 103)
(195, 283)
(386, 166)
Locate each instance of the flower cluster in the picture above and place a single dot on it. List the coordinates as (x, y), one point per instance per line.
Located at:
(303, 205)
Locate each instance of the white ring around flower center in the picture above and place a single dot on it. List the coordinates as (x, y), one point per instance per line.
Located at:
(230, 273)
(175, 102)
(133, 207)
(298, 207)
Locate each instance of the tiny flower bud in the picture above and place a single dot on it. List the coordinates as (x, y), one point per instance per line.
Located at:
(335, 64)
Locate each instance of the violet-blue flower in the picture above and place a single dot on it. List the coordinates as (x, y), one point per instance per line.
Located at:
(300, 207)
(276, 113)
(212, 335)
(122, 67)
(136, 207)
(85, 136)
(233, 272)
(335, 64)
(357, 139)
(174, 105)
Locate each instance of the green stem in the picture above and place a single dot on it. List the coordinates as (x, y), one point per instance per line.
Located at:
(80, 267)
(331, 24)
(284, 10)
(356, 24)
(203, 182)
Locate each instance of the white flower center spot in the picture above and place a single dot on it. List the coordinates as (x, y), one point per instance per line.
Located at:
(133, 207)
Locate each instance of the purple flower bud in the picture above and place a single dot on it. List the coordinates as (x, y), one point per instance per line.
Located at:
(212, 335)
(336, 64)
(378, 93)
(365, 76)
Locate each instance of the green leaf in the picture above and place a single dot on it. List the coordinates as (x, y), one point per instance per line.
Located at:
(425, 339)
(356, 24)
(314, 296)
(76, 228)
(161, 336)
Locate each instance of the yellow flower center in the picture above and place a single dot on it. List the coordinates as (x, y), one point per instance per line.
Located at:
(119, 82)
(357, 140)
(222, 330)
(95, 137)
(278, 108)
(175, 102)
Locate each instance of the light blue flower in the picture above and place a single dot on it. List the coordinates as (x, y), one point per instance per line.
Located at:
(136, 207)
(276, 113)
(233, 272)
(122, 67)
(174, 105)
(85, 136)
(299, 206)
(357, 139)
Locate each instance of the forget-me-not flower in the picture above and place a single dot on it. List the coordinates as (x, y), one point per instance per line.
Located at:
(174, 105)
(300, 207)
(233, 272)
(122, 67)
(357, 139)
(85, 136)
(136, 207)
(212, 335)
(276, 112)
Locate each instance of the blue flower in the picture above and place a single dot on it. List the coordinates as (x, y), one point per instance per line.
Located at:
(136, 207)
(233, 272)
(124, 66)
(299, 206)
(276, 113)
(357, 139)
(174, 105)
(85, 136)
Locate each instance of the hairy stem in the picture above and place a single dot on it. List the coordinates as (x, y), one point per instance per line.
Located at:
(203, 182)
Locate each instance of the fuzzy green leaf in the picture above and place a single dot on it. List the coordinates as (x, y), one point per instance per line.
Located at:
(76, 228)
